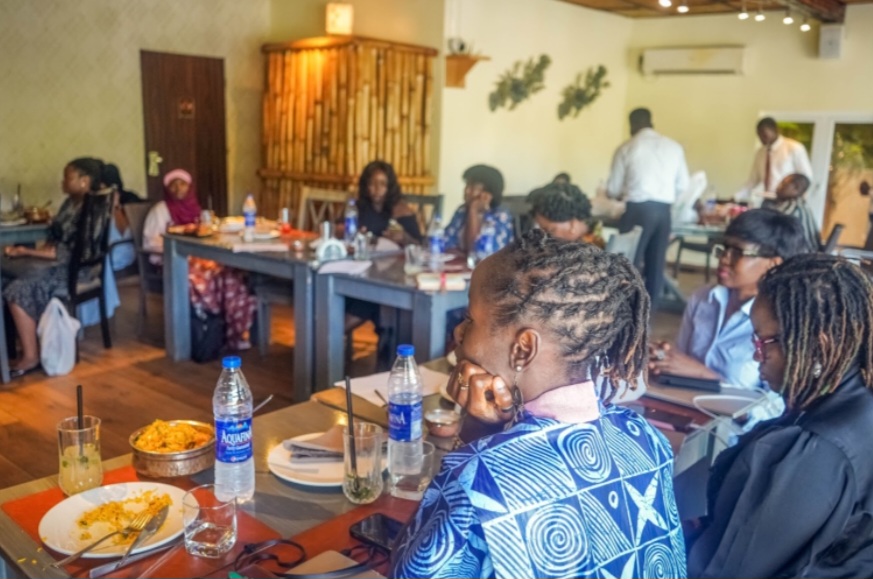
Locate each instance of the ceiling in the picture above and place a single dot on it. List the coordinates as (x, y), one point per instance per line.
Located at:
(822, 10)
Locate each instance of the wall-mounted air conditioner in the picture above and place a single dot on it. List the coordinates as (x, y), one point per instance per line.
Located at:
(693, 60)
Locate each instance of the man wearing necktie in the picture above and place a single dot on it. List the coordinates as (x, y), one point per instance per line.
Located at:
(777, 158)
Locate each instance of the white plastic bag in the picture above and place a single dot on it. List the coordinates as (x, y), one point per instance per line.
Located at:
(57, 332)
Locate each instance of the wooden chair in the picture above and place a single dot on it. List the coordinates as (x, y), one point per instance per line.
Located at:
(426, 208)
(151, 278)
(626, 244)
(90, 248)
(318, 205)
(704, 247)
(520, 208)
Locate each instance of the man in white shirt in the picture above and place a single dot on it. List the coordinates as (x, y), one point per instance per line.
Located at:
(648, 172)
(777, 158)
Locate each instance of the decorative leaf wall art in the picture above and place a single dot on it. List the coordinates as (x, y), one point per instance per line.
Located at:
(519, 82)
(579, 95)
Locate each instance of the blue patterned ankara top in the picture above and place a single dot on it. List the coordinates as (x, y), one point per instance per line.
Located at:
(551, 499)
(504, 227)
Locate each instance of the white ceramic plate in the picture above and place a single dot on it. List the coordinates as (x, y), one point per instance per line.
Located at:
(58, 529)
(231, 226)
(320, 474)
(264, 235)
(13, 223)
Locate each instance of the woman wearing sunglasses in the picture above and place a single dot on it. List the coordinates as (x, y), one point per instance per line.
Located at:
(795, 497)
(715, 338)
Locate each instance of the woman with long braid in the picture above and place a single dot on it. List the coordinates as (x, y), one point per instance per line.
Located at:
(795, 497)
(554, 482)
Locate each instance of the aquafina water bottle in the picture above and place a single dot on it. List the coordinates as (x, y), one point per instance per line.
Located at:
(436, 241)
(232, 406)
(250, 215)
(351, 222)
(404, 425)
(486, 243)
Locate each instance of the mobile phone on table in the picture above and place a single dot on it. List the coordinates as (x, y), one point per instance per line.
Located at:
(377, 529)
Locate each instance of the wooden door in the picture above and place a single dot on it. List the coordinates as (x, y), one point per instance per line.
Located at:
(184, 118)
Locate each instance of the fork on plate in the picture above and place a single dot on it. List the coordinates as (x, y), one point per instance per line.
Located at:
(135, 526)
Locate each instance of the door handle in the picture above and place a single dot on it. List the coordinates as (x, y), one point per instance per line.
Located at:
(155, 161)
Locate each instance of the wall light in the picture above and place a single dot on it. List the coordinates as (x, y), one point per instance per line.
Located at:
(339, 19)
(805, 27)
(788, 18)
(683, 8)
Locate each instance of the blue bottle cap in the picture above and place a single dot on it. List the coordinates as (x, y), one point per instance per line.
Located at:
(405, 350)
(231, 362)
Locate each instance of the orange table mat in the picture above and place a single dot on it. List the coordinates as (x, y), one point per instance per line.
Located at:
(28, 511)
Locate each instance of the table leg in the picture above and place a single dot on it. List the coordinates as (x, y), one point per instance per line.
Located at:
(428, 326)
(330, 316)
(303, 333)
(177, 307)
(4, 350)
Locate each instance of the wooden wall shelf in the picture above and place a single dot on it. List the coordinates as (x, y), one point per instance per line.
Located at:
(457, 67)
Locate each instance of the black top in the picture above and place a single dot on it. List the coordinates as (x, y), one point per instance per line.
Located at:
(125, 197)
(795, 497)
(377, 223)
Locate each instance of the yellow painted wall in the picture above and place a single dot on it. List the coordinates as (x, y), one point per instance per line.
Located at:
(71, 83)
(714, 116)
(529, 144)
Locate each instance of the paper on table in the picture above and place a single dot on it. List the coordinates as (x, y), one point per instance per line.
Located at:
(385, 245)
(366, 386)
(255, 247)
(348, 266)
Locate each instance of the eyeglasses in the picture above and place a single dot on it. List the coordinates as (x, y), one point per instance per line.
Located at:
(761, 342)
(733, 253)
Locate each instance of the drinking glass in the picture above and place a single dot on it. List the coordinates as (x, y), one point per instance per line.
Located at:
(210, 523)
(411, 485)
(79, 464)
(363, 484)
(414, 260)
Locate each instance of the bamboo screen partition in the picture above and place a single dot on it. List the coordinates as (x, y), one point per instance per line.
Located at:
(332, 105)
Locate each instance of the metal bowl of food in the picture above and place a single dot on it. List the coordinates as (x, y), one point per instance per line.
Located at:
(166, 449)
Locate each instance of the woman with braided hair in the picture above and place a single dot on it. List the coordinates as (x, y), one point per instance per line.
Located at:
(554, 481)
(795, 497)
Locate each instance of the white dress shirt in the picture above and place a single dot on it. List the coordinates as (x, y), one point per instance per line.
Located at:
(648, 167)
(787, 157)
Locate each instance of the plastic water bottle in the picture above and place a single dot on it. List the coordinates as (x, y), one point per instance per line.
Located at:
(436, 240)
(485, 243)
(351, 222)
(232, 406)
(404, 424)
(250, 214)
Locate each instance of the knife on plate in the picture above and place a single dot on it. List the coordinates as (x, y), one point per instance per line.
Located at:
(150, 529)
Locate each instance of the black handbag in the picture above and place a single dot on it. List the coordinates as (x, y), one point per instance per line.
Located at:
(207, 336)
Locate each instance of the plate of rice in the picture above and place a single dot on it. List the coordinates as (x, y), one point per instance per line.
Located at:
(87, 517)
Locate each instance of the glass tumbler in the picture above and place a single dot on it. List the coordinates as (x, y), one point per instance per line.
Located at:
(79, 465)
(210, 523)
(362, 483)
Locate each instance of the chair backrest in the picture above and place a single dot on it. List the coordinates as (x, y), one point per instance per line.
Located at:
(830, 246)
(426, 207)
(626, 244)
(91, 243)
(136, 217)
(318, 205)
(520, 208)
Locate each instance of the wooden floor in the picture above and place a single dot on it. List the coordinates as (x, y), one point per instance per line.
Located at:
(134, 383)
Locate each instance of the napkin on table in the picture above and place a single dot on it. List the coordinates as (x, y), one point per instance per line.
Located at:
(348, 266)
(366, 386)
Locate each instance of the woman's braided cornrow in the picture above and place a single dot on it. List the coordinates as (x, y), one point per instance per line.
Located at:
(593, 302)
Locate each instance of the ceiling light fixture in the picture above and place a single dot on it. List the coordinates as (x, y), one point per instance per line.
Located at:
(665, 3)
(788, 20)
(759, 17)
(683, 8)
(744, 15)
(805, 27)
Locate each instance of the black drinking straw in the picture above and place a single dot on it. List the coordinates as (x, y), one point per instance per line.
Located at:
(353, 455)
(80, 408)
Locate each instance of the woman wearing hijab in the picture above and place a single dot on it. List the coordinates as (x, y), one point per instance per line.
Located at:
(213, 288)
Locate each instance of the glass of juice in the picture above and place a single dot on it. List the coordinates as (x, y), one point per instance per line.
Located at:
(79, 464)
